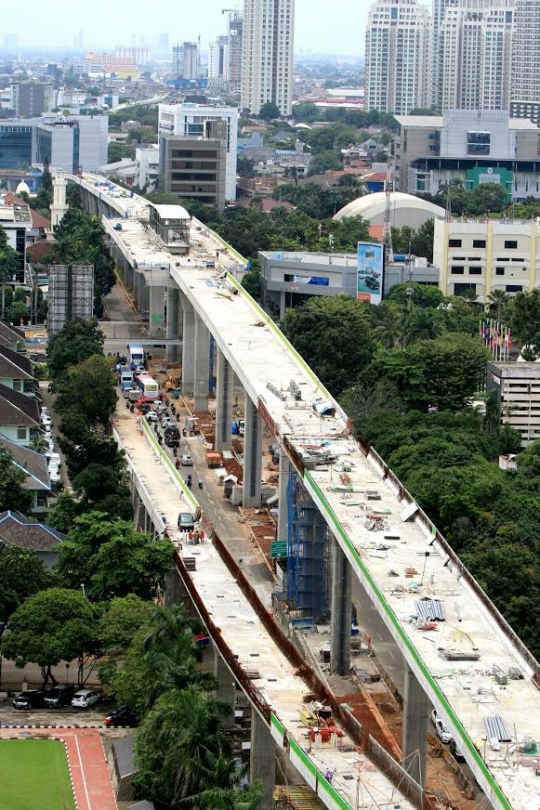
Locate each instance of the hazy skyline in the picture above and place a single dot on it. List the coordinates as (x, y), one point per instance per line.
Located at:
(322, 26)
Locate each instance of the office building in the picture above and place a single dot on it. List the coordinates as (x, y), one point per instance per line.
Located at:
(398, 56)
(525, 101)
(16, 220)
(475, 55)
(190, 120)
(235, 26)
(186, 61)
(487, 255)
(98, 64)
(194, 167)
(70, 143)
(267, 63)
(472, 146)
(516, 387)
(218, 63)
(30, 99)
(71, 294)
(288, 277)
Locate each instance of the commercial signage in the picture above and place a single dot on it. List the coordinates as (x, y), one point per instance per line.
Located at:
(370, 272)
(319, 281)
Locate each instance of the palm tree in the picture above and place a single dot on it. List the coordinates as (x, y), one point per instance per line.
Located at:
(497, 301)
(421, 324)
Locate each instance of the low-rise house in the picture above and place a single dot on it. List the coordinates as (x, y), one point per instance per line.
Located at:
(19, 416)
(11, 337)
(20, 532)
(34, 466)
(17, 372)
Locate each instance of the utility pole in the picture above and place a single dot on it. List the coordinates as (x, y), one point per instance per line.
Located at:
(387, 226)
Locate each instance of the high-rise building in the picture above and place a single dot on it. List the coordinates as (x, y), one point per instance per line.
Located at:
(31, 98)
(525, 92)
(398, 56)
(267, 64)
(186, 61)
(191, 121)
(234, 36)
(475, 55)
(218, 62)
(439, 9)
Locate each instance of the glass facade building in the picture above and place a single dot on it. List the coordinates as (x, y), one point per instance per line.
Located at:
(15, 145)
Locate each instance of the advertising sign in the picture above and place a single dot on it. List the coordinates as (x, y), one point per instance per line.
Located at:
(370, 272)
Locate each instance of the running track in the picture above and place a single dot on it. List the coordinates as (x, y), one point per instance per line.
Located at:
(89, 770)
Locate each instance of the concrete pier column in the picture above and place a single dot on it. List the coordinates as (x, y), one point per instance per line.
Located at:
(224, 403)
(226, 687)
(202, 365)
(156, 316)
(340, 652)
(285, 471)
(188, 347)
(252, 455)
(416, 708)
(263, 758)
(173, 328)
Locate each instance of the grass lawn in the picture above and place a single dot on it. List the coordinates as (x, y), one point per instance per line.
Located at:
(34, 774)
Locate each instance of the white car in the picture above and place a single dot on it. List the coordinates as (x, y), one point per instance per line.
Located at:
(186, 460)
(85, 698)
(443, 733)
(46, 421)
(152, 416)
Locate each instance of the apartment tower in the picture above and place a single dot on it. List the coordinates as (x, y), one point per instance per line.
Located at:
(398, 56)
(525, 101)
(268, 42)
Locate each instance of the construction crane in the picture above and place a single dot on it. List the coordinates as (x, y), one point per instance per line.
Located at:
(230, 11)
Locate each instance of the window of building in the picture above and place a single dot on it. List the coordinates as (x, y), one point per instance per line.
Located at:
(514, 288)
(454, 243)
(510, 244)
(16, 385)
(21, 433)
(475, 271)
(459, 289)
(479, 243)
(457, 271)
(478, 143)
(499, 271)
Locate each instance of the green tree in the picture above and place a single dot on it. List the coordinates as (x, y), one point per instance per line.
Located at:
(112, 559)
(269, 111)
(23, 575)
(77, 341)
(54, 625)
(103, 489)
(89, 389)
(64, 512)
(117, 151)
(9, 258)
(12, 494)
(334, 336)
(423, 295)
(525, 322)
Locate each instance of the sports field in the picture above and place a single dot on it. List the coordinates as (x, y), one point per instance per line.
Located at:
(34, 774)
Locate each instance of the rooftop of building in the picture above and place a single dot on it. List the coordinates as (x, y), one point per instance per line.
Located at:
(438, 121)
(16, 213)
(22, 532)
(32, 463)
(17, 410)
(177, 212)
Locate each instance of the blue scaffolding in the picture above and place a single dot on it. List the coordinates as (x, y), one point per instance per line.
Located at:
(307, 553)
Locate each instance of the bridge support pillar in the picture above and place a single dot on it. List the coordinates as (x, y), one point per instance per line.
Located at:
(251, 495)
(188, 347)
(263, 758)
(156, 316)
(202, 366)
(224, 400)
(340, 653)
(285, 471)
(416, 708)
(173, 322)
(226, 687)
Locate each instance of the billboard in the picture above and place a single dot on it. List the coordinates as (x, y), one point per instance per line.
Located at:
(370, 272)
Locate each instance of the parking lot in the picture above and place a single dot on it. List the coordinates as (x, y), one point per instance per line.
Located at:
(66, 716)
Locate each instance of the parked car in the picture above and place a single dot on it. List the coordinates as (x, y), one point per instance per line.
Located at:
(59, 695)
(122, 716)
(46, 421)
(152, 416)
(443, 733)
(455, 748)
(30, 699)
(85, 698)
(186, 522)
(186, 460)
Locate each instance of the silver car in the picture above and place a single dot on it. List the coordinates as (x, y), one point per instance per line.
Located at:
(85, 698)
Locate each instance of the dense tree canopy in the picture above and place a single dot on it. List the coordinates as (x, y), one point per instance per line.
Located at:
(77, 341)
(88, 389)
(12, 494)
(23, 575)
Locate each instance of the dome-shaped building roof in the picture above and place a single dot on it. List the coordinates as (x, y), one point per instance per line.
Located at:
(405, 209)
(22, 188)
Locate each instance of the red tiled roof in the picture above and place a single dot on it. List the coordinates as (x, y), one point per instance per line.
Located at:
(38, 251)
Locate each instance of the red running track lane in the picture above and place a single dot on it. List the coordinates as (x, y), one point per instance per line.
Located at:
(89, 769)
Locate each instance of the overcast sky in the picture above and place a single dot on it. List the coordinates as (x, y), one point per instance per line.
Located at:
(328, 26)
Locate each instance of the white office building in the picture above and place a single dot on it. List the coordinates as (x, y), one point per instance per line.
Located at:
(218, 63)
(268, 45)
(398, 56)
(526, 61)
(475, 55)
(188, 121)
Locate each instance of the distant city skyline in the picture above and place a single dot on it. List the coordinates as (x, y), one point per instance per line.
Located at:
(340, 32)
